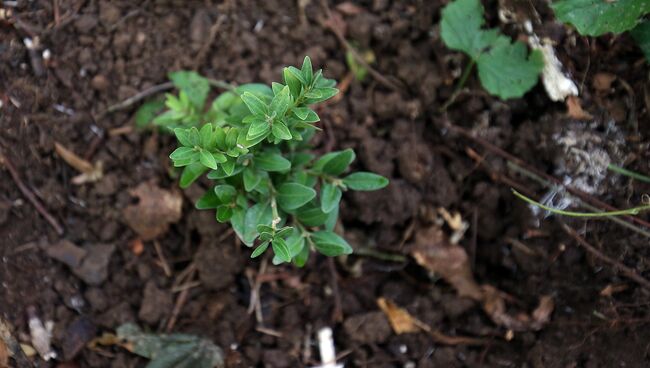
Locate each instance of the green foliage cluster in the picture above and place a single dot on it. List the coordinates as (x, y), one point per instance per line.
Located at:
(505, 69)
(598, 17)
(253, 142)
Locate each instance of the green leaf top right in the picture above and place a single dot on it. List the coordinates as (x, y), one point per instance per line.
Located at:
(597, 17)
(505, 69)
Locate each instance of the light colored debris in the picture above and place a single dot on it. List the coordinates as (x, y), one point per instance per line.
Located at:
(89, 173)
(326, 349)
(557, 84)
(41, 335)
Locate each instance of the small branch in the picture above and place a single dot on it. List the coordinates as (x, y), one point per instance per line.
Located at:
(180, 302)
(337, 313)
(161, 257)
(459, 86)
(203, 52)
(138, 97)
(630, 273)
(4, 160)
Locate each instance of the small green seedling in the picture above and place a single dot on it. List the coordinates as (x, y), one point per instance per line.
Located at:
(253, 142)
(598, 17)
(505, 69)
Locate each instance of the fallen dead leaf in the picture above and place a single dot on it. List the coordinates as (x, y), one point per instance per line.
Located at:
(400, 320)
(436, 253)
(574, 109)
(89, 172)
(4, 354)
(603, 81)
(349, 8)
(156, 209)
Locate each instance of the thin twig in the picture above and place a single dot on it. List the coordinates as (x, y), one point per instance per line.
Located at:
(203, 52)
(630, 273)
(4, 160)
(138, 97)
(359, 59)
(337, 313)
(459, 86)
(180, 302)
(163, 260)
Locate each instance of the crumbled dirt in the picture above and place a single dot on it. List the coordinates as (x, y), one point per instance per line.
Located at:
(90, 280)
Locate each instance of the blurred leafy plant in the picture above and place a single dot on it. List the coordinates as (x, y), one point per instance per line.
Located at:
(505, 69)
(253, 142)
(598, 17)
(170, 351)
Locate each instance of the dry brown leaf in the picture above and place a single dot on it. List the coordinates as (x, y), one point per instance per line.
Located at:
(400, 320)
(434, 252)
(574, 109)
(603, 81)
(156, 209)
(89, 172)
(349, 8)
(4, 354)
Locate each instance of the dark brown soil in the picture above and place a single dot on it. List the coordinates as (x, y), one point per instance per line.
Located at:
(105, 51)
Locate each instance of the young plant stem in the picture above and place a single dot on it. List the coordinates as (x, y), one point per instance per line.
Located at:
(460, 85)
(629, 211)
(628, 173)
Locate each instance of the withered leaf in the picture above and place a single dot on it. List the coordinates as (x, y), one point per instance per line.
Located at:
(154, 212)
(400, 320)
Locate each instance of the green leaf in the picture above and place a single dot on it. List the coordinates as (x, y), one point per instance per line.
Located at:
(207, 159)
(293, 195)
(597, 17)
(268, 161)
(237, 221)
(209, 200)
(147, 112)
(330, 244)
(224, 213)
(295, 243)
(311, 215)
(251, 179)
(307, 70)
(258, 128)
(294, 83)
(281, 249)
(191, 173)
(171, 350)
(505, 68)
(183, 156)
(301, 258)
(339, 162)
(260, 249)
(641, 35)
(258, 214)
(301, 112)
(254, 104)
(330, 196)
(332, 218)
(193, 137)
(508, 71)
(183, 137)
(228, 167)
(365, 181)
(460, 28)
(195, 86)
(281, 102)
(226, 193)
(208, 137)
(280, 130)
